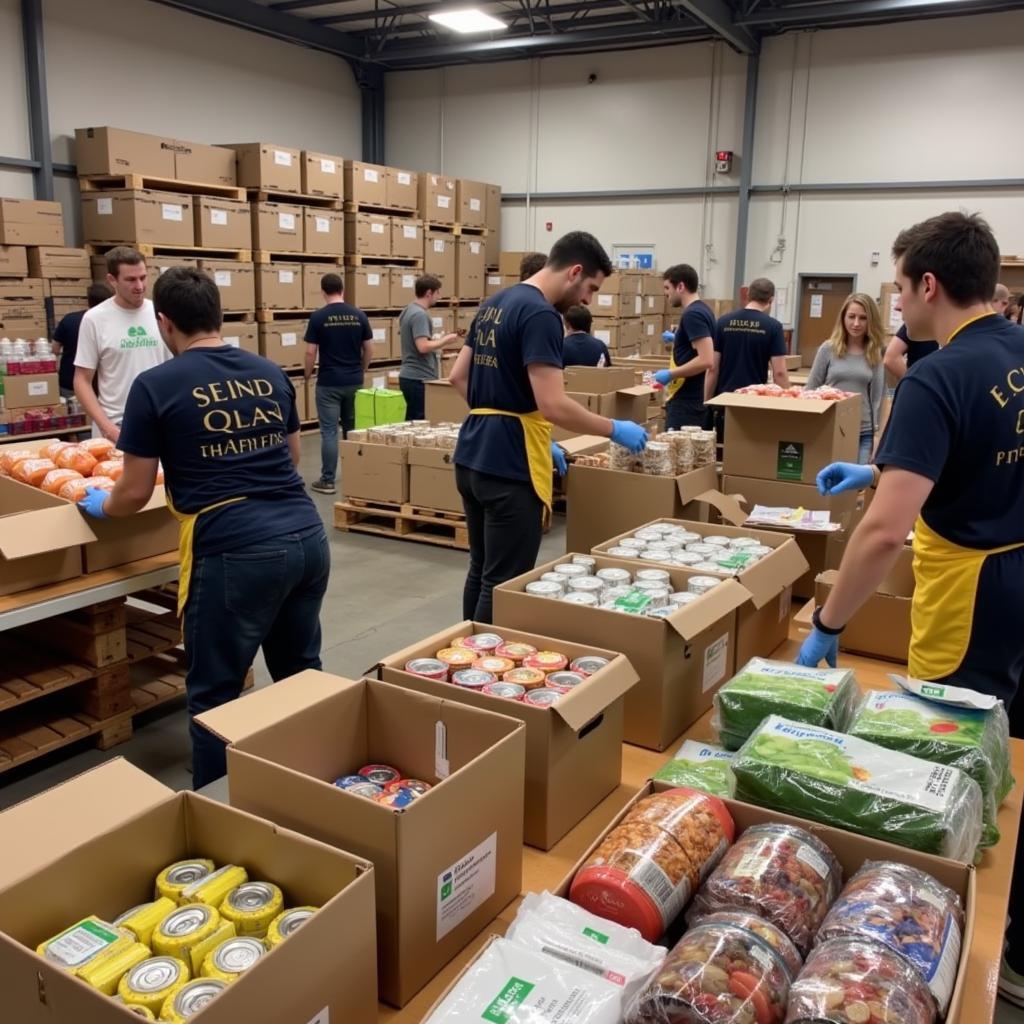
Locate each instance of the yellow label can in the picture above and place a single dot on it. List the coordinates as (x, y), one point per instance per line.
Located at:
(285, 924)
(212, 889)
(141, 920)
(252, 906)
(178, 876)
(232, 958)
(139, 1011)
(190, 999)
(149, 983)
(189, 933)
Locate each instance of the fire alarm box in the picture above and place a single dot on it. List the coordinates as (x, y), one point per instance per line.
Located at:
(723, 161)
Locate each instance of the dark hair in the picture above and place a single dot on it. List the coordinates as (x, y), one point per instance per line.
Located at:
(189, 299)
(530, 264)
(123, 255)
(682, 274)
(578, 318)
(332, 284)
(958, 248)
(761, 290)
(427, 283)
(97, 293)
(582, 248)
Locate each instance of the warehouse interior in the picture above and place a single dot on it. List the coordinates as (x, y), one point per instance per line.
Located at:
(791, 140)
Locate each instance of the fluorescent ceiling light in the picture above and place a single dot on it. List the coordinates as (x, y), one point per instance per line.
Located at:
(467, 20)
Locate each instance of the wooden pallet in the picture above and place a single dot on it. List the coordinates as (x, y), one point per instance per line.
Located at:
(150, 633)
(265, 195)
(108, 182)
(162, 679)
(238, 316)
(455, 229)
(268, 316)
(274, 256)
(151, 249)
(393, 211)
(359, 260)
(387, 519)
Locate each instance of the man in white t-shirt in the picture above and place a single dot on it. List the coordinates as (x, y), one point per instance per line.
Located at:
(118, 340)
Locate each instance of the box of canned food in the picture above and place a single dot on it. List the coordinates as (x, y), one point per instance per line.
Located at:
(429, 790)
(570, 697)
(117, 894)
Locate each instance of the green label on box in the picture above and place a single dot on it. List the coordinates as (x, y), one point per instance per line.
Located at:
(507, 1000)
(791, 461)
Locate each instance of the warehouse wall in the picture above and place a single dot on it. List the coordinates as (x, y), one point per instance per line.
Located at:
(14, 138)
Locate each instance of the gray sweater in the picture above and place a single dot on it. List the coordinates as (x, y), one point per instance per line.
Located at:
(851, 373)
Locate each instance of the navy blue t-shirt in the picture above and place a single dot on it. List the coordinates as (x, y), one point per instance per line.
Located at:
(916, 349)
(956, 420)
(581, 349)
(746, 340)
(339, 331)
(696, 322)
(66, 334)
(515, 328)
(218, 420)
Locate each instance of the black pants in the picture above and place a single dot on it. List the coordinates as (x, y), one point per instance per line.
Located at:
(504, 519)
(684, 412)
(414, 401)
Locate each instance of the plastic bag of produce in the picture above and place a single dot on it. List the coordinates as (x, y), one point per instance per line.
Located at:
(855, 785)
(765, 930)
(908, 911)
(817, 696)
(702, 766)
(946, 725)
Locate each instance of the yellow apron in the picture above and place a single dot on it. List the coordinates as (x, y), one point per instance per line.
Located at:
(537, 432)
(676, 383)
(186, 534)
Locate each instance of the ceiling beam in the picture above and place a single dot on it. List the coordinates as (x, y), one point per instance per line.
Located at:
(821, 15)
(717, 15)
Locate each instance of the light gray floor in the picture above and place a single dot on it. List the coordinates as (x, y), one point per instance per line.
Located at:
(383, 595)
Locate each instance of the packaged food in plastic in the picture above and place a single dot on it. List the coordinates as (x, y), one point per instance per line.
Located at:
(780, 872)
(76, 458)
(910, 912)
(972, 735)
(761, 688)
(861, 787)
(9, 459)
(702, 766)
(851, 981)
(715, 974)
(57, 478)
(764, 930)
(32, 471)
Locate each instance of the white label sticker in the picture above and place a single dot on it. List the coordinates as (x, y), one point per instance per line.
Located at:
(323, 225)
(379, 383)
(493, 280)
(376, 228)
(38, 388)
(715, 658)
(286, 221)
(408, 280)
(219, 217)
(785, 603)
(605, 300)
(286, 277)
(105, 206)
(649, 329)
(436, 322)
(289, 338)
(474, 248)
(323, 1017)
(438, 245)
(403, 177)
(328, 166)
(474, 205)
(80, 943)
(605, 336)
(171, 211)
(222, 278)
(467, 885)
(282, 158)
(373, 280)
(638, 305)
(369, 174)
(444, 202)
(380, 334)
(816, 306)
(230, 339)
(409, 231)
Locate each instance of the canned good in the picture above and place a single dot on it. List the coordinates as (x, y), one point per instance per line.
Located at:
(527, 678)
(653, 586)
(106, 970)
(431, 668)
(190, 932)
(139, 1011)
(635, 543)
(545, 588)
(656, 555)
(149, 983)
(686, 558)
(515, 651)
(252, 906)
(415, 785)
(190, 999)
(546, 661)
(141, 920)
(285, 924)
(744, 542)
(758, 551)
(681, 597)
(348, 781)
(457, 657)
(495, 665)
(685, 537)
(483, 643)
(657, 596)
(615, 577)
(554, 577)
(718, 542)
(588, 561)
(564, 682)
(707, 566)
(652, 576)
(542, 698)
(662, 612)
(212, 889)
(622, 552)
(397, 799)
(649, 533)
(370, 790)
(233, 958)
(588, 664)
(173, 880)
(473, 678)
(701, 584)
(704, 550)
(587, 585)
(612, 594)
(582, 597)
(506, 690)
(380, 774)
(571, 570)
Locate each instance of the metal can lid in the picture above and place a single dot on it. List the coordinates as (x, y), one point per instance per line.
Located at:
(588, 664)
(706, 567)
(553, 577)
(587, 584)
(546, 661)
(544, 588)
(613, 574)
(719, 542)
(565, 681)
(292, 920)
(636, 543)
(571, 569)
(426, 667)
(494, 664)
(186, 920)
(699, 584)
(482, 641)
(348, 781)
(582, 597)
(233, 956)
(379, 774)
(528, 678)
(155, 974)
(543, 697)
(396, 799)
(187, 872)
(505, 690)
(588, 560)
(662, 612)
(416, 785)
(197, 994)
(366, 789)
(652, 576)
(620, 552)
(457, 656)
(473, 678)
(515, 651)
(252, 895)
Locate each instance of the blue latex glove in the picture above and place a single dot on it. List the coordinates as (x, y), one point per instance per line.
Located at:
(663, 377)
(558, 458)
(818, 647)
(668, 337)
(844, 476)
(92, 503)
(629, 434)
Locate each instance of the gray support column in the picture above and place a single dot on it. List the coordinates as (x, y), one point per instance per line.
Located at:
(370, 78)
(35, 86)
(746, 172)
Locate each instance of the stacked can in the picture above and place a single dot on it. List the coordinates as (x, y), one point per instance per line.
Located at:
(190, 999)
(174, 879)
(189, 932)
(141, 920)
(150, 983)
(232, 958)
(213, 887)
(251, 907)
(286, 924)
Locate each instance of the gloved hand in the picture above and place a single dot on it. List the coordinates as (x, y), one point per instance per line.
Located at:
(663, 377)
(558, 458)
(92, 503)
(629, 434)
(818, 647)
(668, 337)
(844, 476)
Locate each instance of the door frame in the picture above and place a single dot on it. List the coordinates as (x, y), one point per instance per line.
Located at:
(795, 343)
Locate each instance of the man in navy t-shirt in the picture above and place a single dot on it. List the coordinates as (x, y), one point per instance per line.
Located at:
(342, 337)
(254, 556)
(580, 347)
(901, 353)
(65, 337)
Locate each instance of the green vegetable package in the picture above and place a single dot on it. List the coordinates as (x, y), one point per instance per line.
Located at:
(855, 785)
(700, 766)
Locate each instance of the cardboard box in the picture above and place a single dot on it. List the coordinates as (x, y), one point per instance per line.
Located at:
(789, 440)
(14, 263)
(442, 403)
(437, 199)
(681, 660)
(368, 234)
(402, 288)
(312, 275)
(494, 283)
(235, 281)
(53, 261)
(322, 175)
(439, 258)
(381, 377)
(210, 165)
(402, 189)
(155, 266)
(625, 302)
(280, 286)
(277, 227)
(442, 321)
(432, 480)
(306, 397)
(108, 151)
(469, 268)
(445, 865)
(464, 317)
(508, 263)
(24, 392)
(241, 334)
(281, 342)
(471, 200)
(492, 219)
(374, 472)
(74, 851)
(406, 238)
(324, 231)
(31, 222)
(622, 336)
(366, 184)
(22, 324)
(138, 215)
(263, 165)
(573, 748)
(368, 287)
(25, 291)
(222, 223)
(150, 531)
(383, 337)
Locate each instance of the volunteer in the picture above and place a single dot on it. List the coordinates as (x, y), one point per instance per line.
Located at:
(851, 359)
(510, 372)
(254, 556)
(530, 264)
(342, 337)
(1000, 299)
(118, 339)
(65, 337)
(693, 350)
(421, 360)
(901, 353)
(950, 467)
(580, 347)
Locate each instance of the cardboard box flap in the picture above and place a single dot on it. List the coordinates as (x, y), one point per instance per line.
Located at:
(241, 718)
(583, 444)
(728, 505)
(766, 579)
(811, 406)
(49, 530)
(44, 828)
(692, 619)
(584, 704)
(694, 485)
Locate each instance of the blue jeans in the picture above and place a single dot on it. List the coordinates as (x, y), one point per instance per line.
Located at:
(867, 442)
(415, 400)
(334, 406)
(265, 595)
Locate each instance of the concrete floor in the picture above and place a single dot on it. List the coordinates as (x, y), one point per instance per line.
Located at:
(383, 595)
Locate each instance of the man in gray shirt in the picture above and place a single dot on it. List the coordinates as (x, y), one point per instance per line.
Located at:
(421, 360)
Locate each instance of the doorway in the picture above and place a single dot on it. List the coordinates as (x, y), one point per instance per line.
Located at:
(821, 298)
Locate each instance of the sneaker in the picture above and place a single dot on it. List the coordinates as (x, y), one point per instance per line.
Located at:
(323, 486)
(1011, 984)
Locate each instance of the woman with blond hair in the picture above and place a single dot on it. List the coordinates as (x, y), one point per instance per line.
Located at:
(851, 360)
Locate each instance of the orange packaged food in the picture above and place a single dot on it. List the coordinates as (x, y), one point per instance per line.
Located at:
(50, 449)
(8, 460)
(98, 447)
(32, 471)
(77, 458)
(112, 468)
(74, 490)
(57, 478)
